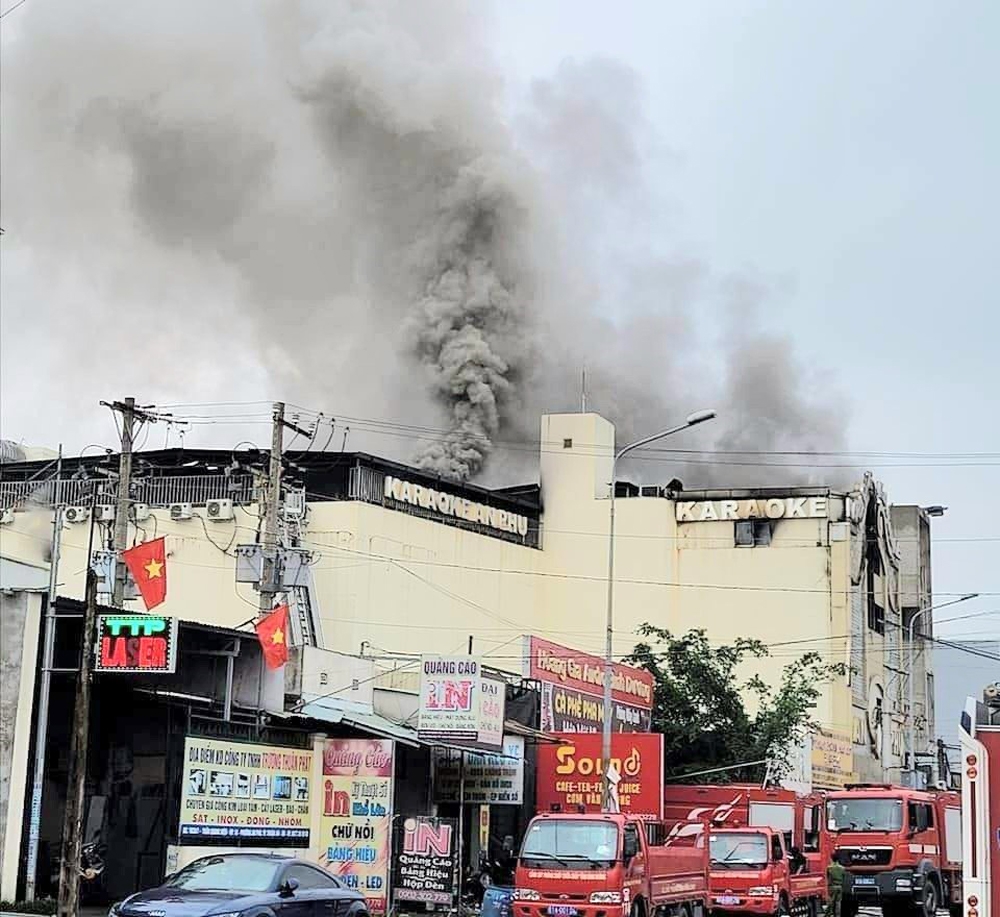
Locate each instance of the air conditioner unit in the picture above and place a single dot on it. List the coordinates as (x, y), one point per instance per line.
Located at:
(294, 504)
(219, 510)
(6, 516)
(76, 514)
(140, 512)
(180, 511)
(104, 513)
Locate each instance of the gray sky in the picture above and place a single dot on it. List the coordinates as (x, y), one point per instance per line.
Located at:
(842, 153)
(850, 149)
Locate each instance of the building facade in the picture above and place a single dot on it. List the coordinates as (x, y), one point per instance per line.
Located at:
(389, 561)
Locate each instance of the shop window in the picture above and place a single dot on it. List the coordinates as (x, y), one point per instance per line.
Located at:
(753, 533)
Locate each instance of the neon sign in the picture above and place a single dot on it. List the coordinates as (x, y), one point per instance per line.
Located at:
(136, 643)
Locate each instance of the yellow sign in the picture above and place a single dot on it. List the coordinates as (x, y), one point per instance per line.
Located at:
(240, 791)
(832, 760)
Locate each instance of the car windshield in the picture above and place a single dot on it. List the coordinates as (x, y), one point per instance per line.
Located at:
(864, 814)
(226, 873)
(571, 842)
(728, 850)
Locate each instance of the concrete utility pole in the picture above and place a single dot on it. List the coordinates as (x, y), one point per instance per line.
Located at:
(270, 567)
(72, 836)
(693, 419)
(130, 414)
(44, 688)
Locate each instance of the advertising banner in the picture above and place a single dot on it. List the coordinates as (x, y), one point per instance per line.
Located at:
(136, 643)
(570, 774)
(832, 760)
(569, 710)
(492, 708)
(490, 779)
(451, 698)
(573, 690)
(423, 867)
(355, 836)
(237, 791)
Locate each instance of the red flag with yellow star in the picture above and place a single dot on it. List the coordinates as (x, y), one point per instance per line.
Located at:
(147, 562)
(272, 632)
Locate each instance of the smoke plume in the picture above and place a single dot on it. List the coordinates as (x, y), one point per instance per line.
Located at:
(337, 201)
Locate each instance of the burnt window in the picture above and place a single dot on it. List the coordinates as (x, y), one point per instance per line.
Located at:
(753, 533)
(567, 443)
(876, 618)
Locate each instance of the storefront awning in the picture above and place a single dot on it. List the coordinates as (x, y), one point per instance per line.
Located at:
(331, 712)
(513, 728)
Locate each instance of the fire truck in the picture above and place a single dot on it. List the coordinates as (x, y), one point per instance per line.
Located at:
(607, 865)
(901, 847)
(980, 741)
(767, 846)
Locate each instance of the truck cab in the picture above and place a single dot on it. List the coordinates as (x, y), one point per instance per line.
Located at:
(901, 848)
(753, 872)
(598, 865)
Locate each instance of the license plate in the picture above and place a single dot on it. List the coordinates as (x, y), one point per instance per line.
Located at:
(561, 910)
(864, 880)
(725, 900)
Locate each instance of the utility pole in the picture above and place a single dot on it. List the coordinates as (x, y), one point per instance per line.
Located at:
(44, 688)
(270, 567)
(130, 414)
(72, 836)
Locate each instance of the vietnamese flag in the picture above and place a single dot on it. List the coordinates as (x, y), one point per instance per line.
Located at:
(147, 562)
(272, 632)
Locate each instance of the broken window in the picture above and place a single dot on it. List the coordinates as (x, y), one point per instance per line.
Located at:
(753, 533)
(876, 618)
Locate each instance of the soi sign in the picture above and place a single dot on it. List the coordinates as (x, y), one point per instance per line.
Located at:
(136, 643)
(570, 774)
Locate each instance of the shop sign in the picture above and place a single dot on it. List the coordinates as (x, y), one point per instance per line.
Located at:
(355, 830)
(490, 779)
(450, 505)
(136, 643)
(832, 760)
(237, 791)
(458, 703)
(771, 508)
(423, 868)
(570, 774)
(568, 710)
(572, 696)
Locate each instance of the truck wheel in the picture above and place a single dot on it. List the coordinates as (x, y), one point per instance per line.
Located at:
(929, 905)
(782, 910)
(848, 907)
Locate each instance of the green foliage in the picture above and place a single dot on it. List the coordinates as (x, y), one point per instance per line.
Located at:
(38, 906)
(698, 704)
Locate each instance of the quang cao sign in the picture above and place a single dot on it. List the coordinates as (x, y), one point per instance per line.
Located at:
(357, 815)
(572, 696)
(238, 791)
(424, 865)
(570, 774)
(136, 643)
(459, 704)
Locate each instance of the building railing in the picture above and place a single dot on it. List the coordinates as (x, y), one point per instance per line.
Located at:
(155, 492)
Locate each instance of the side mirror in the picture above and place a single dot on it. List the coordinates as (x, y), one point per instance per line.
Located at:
(288, 887)
(630, 846)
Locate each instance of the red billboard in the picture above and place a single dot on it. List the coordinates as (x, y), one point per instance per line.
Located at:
(570, 773)
(573, 690)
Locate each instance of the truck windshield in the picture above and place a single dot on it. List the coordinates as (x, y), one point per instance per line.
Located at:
(864, 814)
(731, 850)
(569, 843)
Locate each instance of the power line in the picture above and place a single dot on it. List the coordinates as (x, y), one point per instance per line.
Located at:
(10, 10)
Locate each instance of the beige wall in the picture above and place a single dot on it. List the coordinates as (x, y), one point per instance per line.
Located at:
(410, 585)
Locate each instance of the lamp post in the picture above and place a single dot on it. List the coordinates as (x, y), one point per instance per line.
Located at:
(692, 420)
(909, 678)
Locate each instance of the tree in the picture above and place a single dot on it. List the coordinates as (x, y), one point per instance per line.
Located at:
(699, 704)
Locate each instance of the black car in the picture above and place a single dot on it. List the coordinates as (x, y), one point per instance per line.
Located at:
(246, 885)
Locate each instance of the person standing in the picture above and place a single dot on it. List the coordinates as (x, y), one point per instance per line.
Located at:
(835, 874)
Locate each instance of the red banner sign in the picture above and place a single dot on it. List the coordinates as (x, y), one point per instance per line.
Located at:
(570, 774)
(555, 664)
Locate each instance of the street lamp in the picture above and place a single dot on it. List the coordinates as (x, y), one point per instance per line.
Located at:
(909, 678)
(692, 420)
